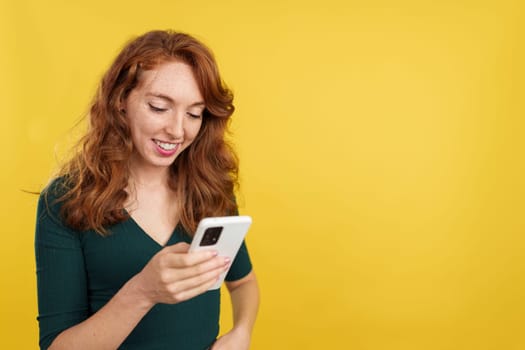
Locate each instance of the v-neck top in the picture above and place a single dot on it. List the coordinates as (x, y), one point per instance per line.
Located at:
(79, 272)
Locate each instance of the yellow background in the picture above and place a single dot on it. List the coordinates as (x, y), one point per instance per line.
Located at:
(382, 158)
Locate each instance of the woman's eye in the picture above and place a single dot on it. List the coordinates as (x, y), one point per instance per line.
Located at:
(156, 109)
(196, 116)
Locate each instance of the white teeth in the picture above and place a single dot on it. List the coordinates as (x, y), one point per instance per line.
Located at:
(166, 146)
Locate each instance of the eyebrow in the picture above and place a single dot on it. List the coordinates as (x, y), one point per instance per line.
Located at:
(169, 99)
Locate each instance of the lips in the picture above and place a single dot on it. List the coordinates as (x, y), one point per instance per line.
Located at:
(167, 146)
(166, 149)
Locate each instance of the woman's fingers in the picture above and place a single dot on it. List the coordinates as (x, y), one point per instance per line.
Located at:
(193, 286)
(174, 275)
(179, 274)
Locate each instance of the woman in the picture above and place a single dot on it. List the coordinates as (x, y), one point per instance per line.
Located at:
(113, 267)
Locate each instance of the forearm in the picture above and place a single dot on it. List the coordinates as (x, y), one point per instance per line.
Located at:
(108, 327)
(245, 303)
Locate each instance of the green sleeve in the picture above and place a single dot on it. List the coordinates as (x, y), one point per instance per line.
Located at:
(242, 264)
(61, 275)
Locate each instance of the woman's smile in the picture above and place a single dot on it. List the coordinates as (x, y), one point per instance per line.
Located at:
(166, 148)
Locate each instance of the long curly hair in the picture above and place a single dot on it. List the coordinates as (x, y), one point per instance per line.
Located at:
(93, 182)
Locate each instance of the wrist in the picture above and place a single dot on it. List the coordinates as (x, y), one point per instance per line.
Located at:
(134, 290)
(243, 329)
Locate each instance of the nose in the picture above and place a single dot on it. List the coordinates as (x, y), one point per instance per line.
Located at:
(175, 126)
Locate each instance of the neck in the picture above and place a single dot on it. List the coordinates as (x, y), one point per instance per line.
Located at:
(149, 177)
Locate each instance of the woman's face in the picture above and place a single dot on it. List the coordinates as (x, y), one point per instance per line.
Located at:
(164, 113)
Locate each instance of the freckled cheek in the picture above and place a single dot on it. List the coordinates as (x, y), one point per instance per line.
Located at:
(192, 136)
(141, 133)
(197, 130)
(148, 127)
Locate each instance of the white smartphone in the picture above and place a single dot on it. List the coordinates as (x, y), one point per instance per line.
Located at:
(224, 234)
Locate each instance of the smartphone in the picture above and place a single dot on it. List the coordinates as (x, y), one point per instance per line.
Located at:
(223, 234)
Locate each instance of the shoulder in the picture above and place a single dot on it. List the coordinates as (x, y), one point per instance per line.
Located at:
(51, 230)
(49, 202)
(57, 187)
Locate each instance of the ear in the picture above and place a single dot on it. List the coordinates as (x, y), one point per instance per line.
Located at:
(121, 107)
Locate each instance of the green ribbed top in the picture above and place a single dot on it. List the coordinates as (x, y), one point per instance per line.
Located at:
(79, 272)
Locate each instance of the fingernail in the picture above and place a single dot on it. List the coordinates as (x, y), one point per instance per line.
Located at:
(226, 260)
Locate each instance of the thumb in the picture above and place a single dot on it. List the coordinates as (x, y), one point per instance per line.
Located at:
(181, 247)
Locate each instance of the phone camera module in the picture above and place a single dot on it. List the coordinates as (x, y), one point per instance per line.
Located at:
(211, 236)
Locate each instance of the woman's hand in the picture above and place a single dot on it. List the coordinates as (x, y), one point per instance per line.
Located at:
(174, 275)
(236, 339)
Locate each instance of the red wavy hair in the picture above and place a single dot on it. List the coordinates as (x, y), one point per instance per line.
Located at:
(94, 180)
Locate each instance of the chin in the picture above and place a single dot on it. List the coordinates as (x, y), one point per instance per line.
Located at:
(164, 164)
